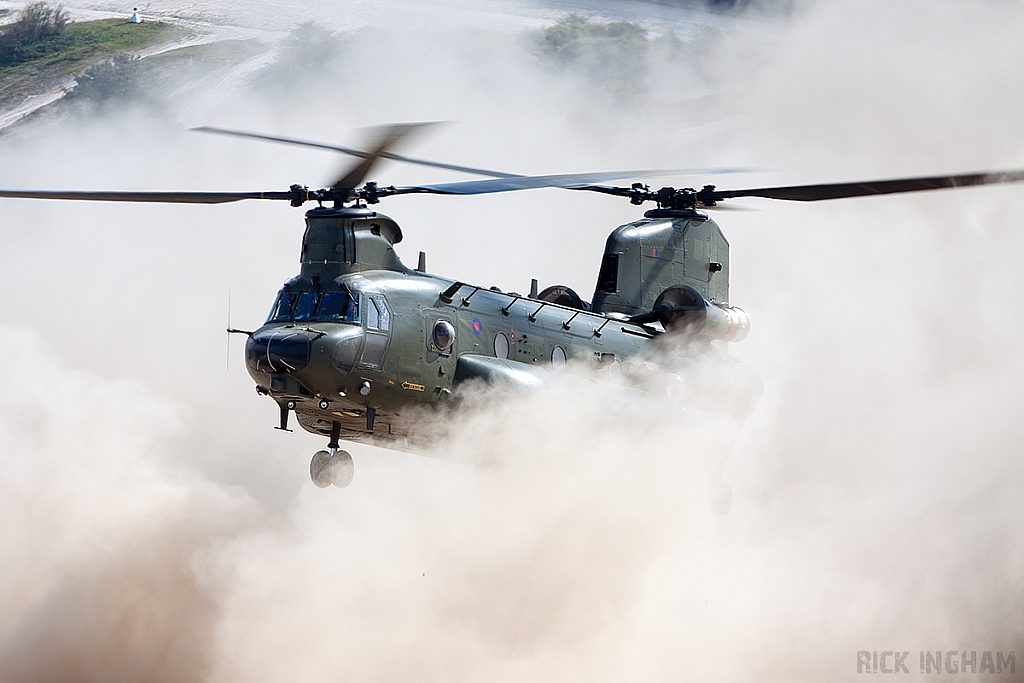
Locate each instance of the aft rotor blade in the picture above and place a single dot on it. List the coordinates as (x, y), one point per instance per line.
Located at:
(355, 152)
(572, 181)
(817, 193)
(156, 197)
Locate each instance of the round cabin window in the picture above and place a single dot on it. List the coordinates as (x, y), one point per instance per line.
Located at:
(558, 359)
(443, 335)
(500, 345)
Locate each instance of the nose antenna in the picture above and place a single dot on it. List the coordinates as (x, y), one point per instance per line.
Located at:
(227, 358)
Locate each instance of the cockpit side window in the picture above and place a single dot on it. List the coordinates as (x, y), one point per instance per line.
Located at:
(385, 314)
(372, 314)
(378, 316)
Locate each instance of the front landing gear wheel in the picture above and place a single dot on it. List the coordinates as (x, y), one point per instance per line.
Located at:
(342, 469)
(319, 470)
(326, 469)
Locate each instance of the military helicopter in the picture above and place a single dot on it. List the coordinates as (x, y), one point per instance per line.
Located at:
(358, 345)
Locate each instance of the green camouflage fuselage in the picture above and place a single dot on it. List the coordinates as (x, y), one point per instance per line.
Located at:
(357, 331)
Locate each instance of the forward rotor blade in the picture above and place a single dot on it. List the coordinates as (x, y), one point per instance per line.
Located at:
(277, 138)
(389, 136)
(572, 181)
(355, 152)
(817, 193)
(729, 207)
(156, 197)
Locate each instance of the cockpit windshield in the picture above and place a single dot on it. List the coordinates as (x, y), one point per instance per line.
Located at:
(282, 310)
(305, 307)
(339, 307)
(335, 307)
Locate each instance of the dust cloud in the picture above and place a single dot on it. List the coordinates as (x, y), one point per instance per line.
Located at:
(155, 528)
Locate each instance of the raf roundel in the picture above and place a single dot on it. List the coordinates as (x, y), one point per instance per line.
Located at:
(478, 326)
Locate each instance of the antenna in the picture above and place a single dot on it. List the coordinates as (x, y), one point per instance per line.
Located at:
(230, 330)
(227, 359)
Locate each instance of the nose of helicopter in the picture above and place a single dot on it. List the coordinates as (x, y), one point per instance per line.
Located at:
(277, 350)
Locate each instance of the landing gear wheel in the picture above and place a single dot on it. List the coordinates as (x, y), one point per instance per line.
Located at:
(320, 470)
(342, 469)
(326, 469)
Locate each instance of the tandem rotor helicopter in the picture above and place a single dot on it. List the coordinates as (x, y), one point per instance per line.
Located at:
(357, 342)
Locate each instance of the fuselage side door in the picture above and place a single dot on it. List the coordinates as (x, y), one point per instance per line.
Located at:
(377, 321)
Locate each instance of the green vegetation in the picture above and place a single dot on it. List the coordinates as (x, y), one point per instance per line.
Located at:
(37, 26)
(621, 60)
(576, 37)
(42, 36)
(609, 58)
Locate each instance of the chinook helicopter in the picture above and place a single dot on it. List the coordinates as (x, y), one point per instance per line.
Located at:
(358, 344)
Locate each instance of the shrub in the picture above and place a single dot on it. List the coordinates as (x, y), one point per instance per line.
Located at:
(577, 37)
(37, 24)
(605, 57)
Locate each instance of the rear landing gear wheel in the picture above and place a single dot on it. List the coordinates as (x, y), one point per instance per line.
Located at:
(326, 469)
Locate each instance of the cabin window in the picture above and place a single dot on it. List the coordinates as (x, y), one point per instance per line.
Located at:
(442, 335)
(500, 345)
(558, 359)
(608, 278)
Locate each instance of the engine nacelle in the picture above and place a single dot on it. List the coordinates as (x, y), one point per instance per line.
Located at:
(725, 322)
(682, 309)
